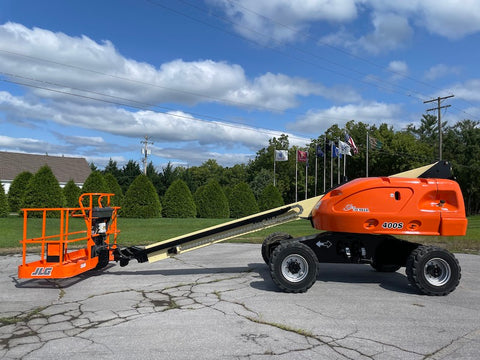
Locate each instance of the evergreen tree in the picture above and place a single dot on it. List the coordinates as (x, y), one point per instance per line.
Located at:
(114, 187)
(71, 192)
(95, 183)
(270, 198)
(178, 201)
(211, 201)
(141, 200)
(128, 174)
(3, 202)
(242, 201)
(17, 190)
(43, 191)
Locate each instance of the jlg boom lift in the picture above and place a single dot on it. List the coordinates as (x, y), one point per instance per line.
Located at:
(359, 219)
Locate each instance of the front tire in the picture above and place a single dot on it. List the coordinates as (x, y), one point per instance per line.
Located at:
(433, 270)
(293, 267)
(271, 242)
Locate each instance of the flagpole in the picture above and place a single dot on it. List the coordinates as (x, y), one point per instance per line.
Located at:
(338, 174)
(306, 177)
(274, 165)
(296, 175)
(332, 144)
(316, 170)
(324, 164)
(366, 157)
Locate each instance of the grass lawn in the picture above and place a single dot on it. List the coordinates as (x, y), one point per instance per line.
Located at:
(148, 231)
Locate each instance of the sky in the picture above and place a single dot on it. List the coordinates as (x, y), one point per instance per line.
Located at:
(216, 79)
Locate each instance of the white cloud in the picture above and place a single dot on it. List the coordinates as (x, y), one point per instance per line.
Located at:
(317, 121)
(399, 69)
(448, 18)
(279, 21)
(468, 90)
(81, 63)
(391, 31)
(439, 71)
(173, 126)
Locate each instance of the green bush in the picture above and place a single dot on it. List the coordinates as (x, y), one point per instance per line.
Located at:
(43, 191)
(141, 199)
(242, 201)
(71, 192)
(270, 198)
(211, 201)
(3, 202)
(95, 183)
(17, 190)
(114, 187)
(178, 201)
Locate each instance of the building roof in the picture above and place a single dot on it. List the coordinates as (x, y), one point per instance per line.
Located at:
(64, 168)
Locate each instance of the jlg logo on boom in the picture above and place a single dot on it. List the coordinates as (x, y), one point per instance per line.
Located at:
(42, 271)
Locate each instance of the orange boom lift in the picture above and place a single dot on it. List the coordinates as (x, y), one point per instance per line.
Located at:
(358, 220)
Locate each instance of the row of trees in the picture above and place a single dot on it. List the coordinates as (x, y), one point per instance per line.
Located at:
(141, 200)
(401, 150)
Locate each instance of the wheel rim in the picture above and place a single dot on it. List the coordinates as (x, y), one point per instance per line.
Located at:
(437, 272)
(294, 268)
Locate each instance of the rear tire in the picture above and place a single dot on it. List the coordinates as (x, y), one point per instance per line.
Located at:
(271, 242)
(293, 267)
(433, 270)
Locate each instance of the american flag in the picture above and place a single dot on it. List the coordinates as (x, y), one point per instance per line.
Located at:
(350, 142)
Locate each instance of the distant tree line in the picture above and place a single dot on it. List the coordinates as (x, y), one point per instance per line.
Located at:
(213, 191)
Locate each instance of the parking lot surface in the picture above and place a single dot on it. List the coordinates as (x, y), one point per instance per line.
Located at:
(219, 302)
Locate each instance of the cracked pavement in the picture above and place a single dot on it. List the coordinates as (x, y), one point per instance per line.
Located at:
(219, 302)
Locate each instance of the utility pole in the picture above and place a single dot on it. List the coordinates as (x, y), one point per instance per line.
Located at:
(145, 151)
(439, 117)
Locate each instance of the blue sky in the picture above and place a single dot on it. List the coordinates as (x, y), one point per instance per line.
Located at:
(218, 78)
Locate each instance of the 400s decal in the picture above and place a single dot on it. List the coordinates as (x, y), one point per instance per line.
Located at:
(392, 225)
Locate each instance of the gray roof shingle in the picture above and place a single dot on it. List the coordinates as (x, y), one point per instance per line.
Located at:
(64, 168)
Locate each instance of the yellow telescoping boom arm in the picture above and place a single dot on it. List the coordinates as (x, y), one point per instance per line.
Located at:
(218, 233)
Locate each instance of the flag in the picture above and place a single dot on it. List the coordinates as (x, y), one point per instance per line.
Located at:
(336, 152)
(302, 156)
(344, 148)
(350, 142)
(374, 143)
(320, 151)
(281, 155)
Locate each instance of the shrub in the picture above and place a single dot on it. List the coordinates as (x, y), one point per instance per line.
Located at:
(17, 190)
(114, 187)
(95, 183)
(43, 191)
(211, 201)
(3, 202)
(270, 198)
(141, 199)
(242, 201)
(178, 201)
(71, 192)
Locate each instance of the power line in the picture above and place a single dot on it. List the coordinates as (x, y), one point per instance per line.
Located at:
(419, 95)
(378, 84)
(137, 105)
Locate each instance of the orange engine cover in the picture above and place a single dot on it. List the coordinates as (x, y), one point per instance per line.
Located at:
(384, 205)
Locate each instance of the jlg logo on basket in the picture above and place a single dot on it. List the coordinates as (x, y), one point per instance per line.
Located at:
(42, 271)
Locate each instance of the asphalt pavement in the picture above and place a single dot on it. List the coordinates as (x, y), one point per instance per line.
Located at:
(219, 302)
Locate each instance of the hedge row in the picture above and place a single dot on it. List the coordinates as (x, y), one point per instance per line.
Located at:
(141, 199)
